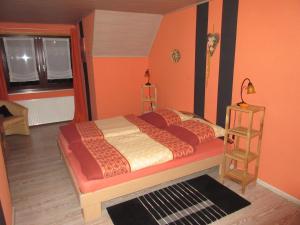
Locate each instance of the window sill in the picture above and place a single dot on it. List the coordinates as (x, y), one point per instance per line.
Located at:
(40, 94)
(35, 91)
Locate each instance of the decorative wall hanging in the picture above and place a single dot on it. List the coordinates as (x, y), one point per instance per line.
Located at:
(175, 55)
(212, 42)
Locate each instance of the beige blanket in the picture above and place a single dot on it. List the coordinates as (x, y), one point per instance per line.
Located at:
(140, 150)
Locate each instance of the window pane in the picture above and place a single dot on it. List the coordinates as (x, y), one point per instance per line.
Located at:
(57, 52)
(21, 59)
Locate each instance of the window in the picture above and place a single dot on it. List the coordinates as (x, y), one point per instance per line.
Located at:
(36, 63)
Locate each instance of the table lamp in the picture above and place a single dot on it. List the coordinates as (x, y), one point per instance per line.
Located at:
(147, 75)
(250, 90)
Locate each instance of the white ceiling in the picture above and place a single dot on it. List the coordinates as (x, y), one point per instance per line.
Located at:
(124, 34)
(71, 11)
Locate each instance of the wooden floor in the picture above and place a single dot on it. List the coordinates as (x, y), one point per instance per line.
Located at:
(43, 193)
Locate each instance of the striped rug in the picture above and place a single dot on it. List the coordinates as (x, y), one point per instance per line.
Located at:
(201, 200)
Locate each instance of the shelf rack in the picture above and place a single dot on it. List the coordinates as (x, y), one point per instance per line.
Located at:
(233, 153)
(148, 98)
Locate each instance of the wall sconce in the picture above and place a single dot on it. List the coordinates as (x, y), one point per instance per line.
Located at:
(175, 55)
(250, 90)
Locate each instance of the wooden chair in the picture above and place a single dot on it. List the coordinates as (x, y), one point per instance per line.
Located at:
(18, 123)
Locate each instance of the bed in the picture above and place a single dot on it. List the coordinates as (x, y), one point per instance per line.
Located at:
(117, 132)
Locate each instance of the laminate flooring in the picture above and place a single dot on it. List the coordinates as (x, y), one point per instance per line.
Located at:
(43, 193)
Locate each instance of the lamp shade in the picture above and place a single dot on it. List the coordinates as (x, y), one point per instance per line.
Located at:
(250, 88)
(147, 75)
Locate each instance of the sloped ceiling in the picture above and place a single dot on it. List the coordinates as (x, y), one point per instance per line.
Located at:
(71, 11)
(124, 34)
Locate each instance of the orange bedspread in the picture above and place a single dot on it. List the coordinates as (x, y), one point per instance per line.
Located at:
(178, 147)
(203, 151)
(75, 132)
(103, 158)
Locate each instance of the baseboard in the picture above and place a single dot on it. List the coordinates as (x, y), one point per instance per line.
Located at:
(13, 216)
(279, 192)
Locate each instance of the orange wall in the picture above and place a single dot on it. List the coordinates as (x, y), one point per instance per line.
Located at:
(175, 81)
(37, 29)
(117, 85)
(4, 192)
(268, 52)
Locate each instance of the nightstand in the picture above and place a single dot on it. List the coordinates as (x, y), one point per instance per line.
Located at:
(149, 98)
(236, 158)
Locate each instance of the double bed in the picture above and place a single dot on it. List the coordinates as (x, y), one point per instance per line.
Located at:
(117, 156)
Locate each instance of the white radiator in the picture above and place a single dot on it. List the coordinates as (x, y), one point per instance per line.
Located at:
(49, 110)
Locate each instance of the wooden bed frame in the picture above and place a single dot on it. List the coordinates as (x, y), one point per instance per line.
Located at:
(91, 202)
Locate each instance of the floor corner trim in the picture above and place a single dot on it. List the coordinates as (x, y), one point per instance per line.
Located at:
(13, 216)
(279, 192)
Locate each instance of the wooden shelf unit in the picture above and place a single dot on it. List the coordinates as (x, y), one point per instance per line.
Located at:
(233, 153)
(148, 99)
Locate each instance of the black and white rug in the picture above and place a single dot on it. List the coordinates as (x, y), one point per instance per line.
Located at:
(201, 200)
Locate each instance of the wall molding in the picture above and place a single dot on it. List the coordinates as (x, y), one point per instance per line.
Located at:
(13, 216)
(120, 56)
(279, 192)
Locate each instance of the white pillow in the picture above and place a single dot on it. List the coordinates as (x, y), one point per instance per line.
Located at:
(219, 131)
(183, 116)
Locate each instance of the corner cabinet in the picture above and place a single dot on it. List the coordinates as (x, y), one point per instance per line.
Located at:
(148, 98)
(245, 146)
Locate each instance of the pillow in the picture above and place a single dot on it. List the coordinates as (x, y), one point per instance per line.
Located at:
(193, 132)
(154, 119)
(184, 135)
(219, 131)
(161, 118)
(5, 112)
(183, 116)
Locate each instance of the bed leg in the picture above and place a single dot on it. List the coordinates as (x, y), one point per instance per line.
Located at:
(59, 150)
(91, 212)
(220, 169)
